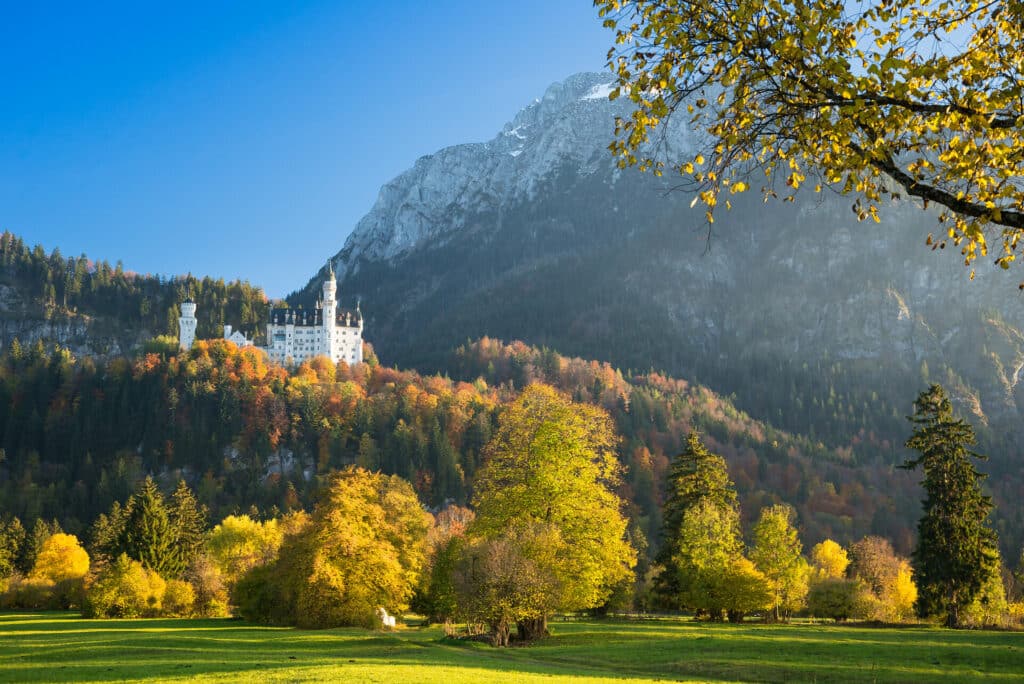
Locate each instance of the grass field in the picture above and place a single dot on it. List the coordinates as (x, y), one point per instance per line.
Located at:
(64, 648)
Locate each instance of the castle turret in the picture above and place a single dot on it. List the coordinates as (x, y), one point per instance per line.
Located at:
(187, 325)
(330, 305)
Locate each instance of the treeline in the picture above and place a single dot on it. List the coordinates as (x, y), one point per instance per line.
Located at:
(77, 434)
(546, 533)
(54, 286)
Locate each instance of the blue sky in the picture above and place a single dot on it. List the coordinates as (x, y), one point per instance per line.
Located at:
(247, 139)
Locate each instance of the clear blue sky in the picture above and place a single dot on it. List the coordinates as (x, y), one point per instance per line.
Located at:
(247, 139)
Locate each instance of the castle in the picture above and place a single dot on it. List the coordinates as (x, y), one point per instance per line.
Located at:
(294, 335)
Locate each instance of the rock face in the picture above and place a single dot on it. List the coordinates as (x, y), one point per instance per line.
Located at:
(29, 322)
(536, 235)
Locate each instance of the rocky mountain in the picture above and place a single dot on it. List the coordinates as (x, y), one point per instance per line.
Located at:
(816, 322)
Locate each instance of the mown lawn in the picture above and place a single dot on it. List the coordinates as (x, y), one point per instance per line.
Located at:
(59, 647)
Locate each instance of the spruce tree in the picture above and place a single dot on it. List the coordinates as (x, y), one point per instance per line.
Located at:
(956, 550)
(12, 538)
(149, 536)
(695, 476)
(189, 522)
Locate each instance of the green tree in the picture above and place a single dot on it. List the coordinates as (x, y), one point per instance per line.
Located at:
(551, 463)
(708, 540)
(12, 537)
(777, 553)
(149, 536)
(511, 579)
(695, 476)
(188, 520)
(836, 598)
(41, 531)
(956, 550)
(878, 99)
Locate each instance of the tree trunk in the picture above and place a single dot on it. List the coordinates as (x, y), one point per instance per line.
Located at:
(953, 616)
(500, 634)
(533, 629)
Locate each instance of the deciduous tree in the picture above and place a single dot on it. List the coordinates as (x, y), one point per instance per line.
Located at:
(696, 475)
(829, 560)
(551, 463)
(777, 553)
(878, 98)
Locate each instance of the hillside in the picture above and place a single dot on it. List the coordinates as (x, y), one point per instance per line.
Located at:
(808, 319)
(95, 309)
(78, 433)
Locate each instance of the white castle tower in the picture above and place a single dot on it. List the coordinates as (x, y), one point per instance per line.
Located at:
(187, 325)
(294, 335)
(330, 308)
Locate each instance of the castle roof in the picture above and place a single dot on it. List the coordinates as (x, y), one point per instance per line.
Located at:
(313, 317)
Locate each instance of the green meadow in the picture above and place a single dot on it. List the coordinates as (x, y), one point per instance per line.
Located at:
(61, 647)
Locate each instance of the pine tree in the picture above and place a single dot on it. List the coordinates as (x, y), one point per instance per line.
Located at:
(696, 475)
(149, 536)
(12, 538)
(956, 550)
(189, 522)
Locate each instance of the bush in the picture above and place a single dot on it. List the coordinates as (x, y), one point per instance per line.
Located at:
(839, 599)
(124, 589)
(211, 594)
(28, 593)
(179, 599)
(55, 582)
(257, 596)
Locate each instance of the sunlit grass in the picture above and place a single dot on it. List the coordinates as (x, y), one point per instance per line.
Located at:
(62, 647)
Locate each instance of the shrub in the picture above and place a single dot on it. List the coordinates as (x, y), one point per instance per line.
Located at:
(28, 593)
(258, 597)
(211, 594)
(124, 589)
(179, 599)
(839, 599)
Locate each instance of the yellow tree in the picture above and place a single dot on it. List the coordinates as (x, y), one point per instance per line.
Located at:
(829, 560)
(240, 543)
(363, 548)
(777, 553)
(60, 559)
(877, 98)
(59, 571)
(551, 466)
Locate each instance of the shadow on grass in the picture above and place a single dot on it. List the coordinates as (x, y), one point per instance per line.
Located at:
(64, 647)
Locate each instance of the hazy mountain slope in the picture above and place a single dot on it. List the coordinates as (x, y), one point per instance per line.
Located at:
(816, 322)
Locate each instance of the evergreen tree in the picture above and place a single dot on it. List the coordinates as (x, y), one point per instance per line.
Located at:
(12, 538)
(41, 531)
(956, 550)
(107, 534)
(149, 535)
(189, 522)
(695, 475)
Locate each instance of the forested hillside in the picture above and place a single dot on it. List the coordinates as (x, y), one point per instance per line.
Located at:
(78, 433)
(98, 309)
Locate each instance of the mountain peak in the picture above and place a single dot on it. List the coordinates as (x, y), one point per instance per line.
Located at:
(571, 123)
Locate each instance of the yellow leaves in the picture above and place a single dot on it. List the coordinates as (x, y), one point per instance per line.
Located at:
(841, 93)
(738, 187)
